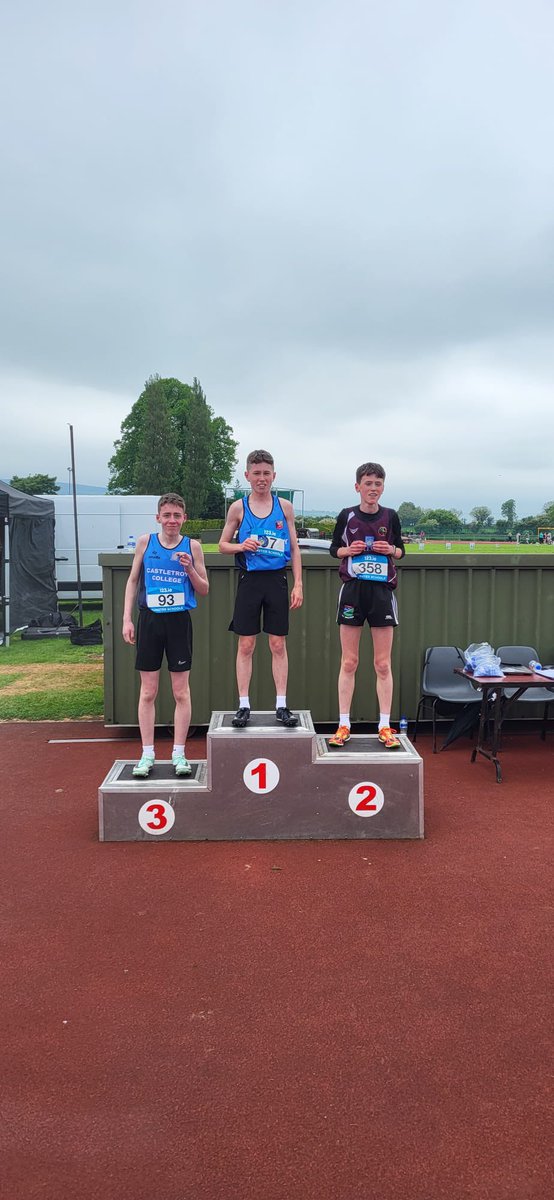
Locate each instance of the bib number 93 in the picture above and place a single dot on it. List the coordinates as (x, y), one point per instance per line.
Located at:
(165, 600)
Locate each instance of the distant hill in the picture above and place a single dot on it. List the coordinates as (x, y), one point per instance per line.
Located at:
(83, 489)
(317, 512)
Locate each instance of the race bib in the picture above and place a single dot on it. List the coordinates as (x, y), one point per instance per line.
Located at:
(371, 568)
(165, 601)
(271, 545)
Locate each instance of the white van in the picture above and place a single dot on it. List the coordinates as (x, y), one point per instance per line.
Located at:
(104, 524)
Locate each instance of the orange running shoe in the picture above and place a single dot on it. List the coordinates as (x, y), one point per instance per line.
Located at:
(388, 737)
(340, 737)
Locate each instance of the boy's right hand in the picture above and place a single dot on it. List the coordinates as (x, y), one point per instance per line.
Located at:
(128, 632)
(251, 543)
(358, 547)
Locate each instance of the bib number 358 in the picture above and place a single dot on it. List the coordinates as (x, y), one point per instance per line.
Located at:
(366, 799)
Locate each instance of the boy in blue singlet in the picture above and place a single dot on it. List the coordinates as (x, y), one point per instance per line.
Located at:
(167, 571)
(367, 541)
(265, 545)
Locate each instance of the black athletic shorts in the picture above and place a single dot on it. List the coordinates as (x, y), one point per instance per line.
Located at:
(159, 632)
(371, 602)
(257, 590)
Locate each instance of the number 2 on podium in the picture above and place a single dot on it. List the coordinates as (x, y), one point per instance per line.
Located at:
(366, 799)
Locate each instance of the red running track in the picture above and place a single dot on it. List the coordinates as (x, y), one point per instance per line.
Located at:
(290, 1021)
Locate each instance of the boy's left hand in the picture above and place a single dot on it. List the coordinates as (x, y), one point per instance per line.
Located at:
(383, 548)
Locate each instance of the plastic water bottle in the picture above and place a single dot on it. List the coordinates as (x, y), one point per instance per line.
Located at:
(131, 543)
(403, 727)
(534, 665)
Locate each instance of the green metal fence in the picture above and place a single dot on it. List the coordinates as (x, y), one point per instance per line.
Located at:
(442, 601)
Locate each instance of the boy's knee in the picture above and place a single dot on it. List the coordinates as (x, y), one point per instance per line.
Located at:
(277, 645)
(246, 646)
(382, 667)
(181, 688)
(350, 663)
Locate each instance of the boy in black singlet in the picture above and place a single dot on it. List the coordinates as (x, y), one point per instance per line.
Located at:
(167, 571)
(367, 541)
(266, 542)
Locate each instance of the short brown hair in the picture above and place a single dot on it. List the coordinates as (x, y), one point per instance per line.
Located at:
(370, 469)
(171, 498)
(259, 456)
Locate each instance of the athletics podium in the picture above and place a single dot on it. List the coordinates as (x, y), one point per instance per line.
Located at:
(268, 783)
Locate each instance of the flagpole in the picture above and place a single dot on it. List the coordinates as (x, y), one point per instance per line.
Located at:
(77, 555)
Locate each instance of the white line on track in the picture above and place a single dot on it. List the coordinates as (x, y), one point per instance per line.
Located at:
(81, 741)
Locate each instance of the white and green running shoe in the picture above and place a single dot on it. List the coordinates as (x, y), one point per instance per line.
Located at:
(143, 767)
(181, 765)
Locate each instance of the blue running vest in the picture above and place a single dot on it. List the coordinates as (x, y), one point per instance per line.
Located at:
(164, 585)
(273, 536)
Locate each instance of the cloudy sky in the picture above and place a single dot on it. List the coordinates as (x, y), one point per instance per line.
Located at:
(339, 217)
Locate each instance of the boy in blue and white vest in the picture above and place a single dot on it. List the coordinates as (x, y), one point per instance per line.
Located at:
(265, 545)
(167, 571)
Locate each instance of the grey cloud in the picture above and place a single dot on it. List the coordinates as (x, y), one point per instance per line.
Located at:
(294, 202)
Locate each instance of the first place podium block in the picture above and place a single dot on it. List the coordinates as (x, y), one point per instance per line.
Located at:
(267, 783)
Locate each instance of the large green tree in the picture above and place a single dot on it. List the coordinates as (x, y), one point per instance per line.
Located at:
(481, 515)
(214, 504)
(409, 513)
(196, 472)
(204, 447)
(508, 510)
(35, 485)
(157, 462)
(530, 523)
(446, 518)
(546, 517)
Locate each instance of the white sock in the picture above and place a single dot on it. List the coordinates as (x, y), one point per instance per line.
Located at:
(179, 750)
(149, 750)
(281, 702)
(384, 720)
(244, 702)
(344, 719)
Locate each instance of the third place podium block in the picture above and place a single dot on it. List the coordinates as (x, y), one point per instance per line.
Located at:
(265, 783)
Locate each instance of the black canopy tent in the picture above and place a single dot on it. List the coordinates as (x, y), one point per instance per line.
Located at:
(28, 581)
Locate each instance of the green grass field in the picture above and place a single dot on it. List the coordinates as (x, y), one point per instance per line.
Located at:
(51, 680)
(480, 548)
(457, 548)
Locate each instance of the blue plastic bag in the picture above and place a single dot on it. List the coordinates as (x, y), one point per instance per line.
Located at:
(481, 660)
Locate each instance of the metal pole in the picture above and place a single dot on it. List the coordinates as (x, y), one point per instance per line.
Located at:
(77, 556)
(6, 574)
